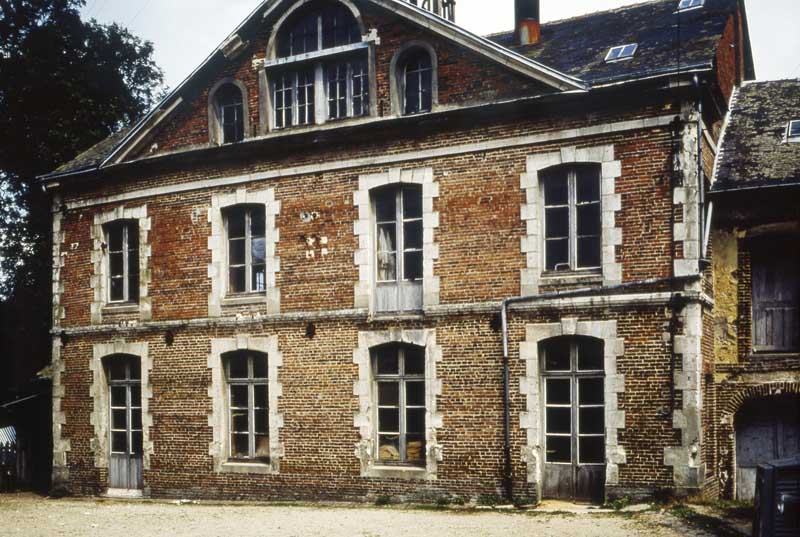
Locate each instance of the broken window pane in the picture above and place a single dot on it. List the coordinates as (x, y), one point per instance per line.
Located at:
(592, 450)
(559, 449)
(558, 392)
(559, 420)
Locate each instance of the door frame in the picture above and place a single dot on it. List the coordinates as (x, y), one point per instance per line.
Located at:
(133, 441)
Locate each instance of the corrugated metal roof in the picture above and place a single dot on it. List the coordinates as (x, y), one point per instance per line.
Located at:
(8, 435)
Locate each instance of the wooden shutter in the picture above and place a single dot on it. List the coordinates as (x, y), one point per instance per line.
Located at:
(776, 297)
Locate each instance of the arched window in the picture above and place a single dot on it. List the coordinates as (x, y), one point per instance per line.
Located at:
(321, 26)
(230, 113)
(572, 217)
(417, 81)
(248, 405)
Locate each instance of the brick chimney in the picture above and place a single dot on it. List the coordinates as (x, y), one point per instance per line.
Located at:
(527, 26)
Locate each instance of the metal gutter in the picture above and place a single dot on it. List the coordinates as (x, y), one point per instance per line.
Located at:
(508, 481)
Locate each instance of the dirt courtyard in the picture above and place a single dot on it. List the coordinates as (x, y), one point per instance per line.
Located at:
(29, 515)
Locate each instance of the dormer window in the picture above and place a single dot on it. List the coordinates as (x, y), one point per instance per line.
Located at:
(414, 79)
(686, 5)
(227, 109)
(793, 131)
(622, 52)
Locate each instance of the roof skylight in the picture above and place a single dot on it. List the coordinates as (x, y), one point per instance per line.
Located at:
(793, 131)
(690, 4)
(621, 52)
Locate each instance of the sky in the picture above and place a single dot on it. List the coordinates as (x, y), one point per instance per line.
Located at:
(185, 32)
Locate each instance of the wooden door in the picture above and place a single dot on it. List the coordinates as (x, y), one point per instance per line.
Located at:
(574, 419)
(125, 424)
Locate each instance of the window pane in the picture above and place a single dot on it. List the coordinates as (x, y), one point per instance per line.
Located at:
(414, 360)
(389, 447)
(259, 282)
(590, 392)
(259, 366)
(556, 222)
(557, 355)
(387, 267)
(591, 354)
(413, 266)
(412, 92)
(262, 446)
(136, 395)
(412, 234)
(135, 372)
(559, 449)
(115, 261)
(119, 442)
(239, 396)
(557, 254)
(385, 206)
(592, 450)
(136, 419)
(261, 422)
(136, 442)
(239, 421)
(555, 189)
(387, 361)
(387, 237)
(558, 392)
(240, 448)
(257, 222)
(119, 419)
(259, 251)
(229, 133)
(260, 396)
(388, 420)
(236, 252)
(133, 276)
(415, 393)
(412, 203)
(116, 369)
(415, 448)
(119, 396)
(116, 291)
(237, 366)
(425, 92)
(115, 238)
(236, 223)
(591, 420)
(237, 280)
(388, 393)
(415, 420)
(589, 219)
(587, 184)
(559, 420)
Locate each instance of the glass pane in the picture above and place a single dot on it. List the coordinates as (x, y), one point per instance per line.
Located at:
(415, 393)
(136, 419)
(388, 420)
(236, 223)
(119, 442)
(387, 237)
(385, 206)
(592, 450)
(412, 92)
(558, 392)
(557, 254)
(590, 354)
(240, 448)
(413, 266)
(260, 366)
(556, 222)
(119, 396)
(236, 252)
(115, 238)
(117, 290)
(133, 278)
(116, 369)
(415, 448)
(237, 366)
(415, 360)
(119, 419)
(257, 225)
(239, 396)
(559, 420)
(261, 422)
(415, 420)
(387, 361)
(136, 442)
(388, 393)
(116, 263)
(239, 421)
(133, 236)
(589, 219)
(425, 96)
(555, 189)
(258, 251)
(262, 446)
(135, 373)
(229, 133)
(587, 184)
(412, 234)
(389, 447)
(412, 203)
(260, 396)
(590, 420)
(387, 267)
(259, 282)
(556, 353)
(559, 449)
(237, 280)
(590, 392)
(136, 395)
(589, 252)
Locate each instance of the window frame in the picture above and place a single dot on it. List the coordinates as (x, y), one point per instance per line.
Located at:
(401, 379)
(793, 138)
(409, 56)
(130, 280)
(248, 238)
(237, 106)
(762, 258)
(251, 382)
(688, 5)
(128, 383)
(570, 171)
(621, 54)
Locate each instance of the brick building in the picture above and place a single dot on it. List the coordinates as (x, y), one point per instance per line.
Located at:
(757, 282)
(296, 277)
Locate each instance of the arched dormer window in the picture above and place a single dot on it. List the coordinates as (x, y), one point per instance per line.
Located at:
(320, 70)
(414, 77)
(228, 120)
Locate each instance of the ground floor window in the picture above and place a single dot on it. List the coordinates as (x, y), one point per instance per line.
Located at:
(248, 412)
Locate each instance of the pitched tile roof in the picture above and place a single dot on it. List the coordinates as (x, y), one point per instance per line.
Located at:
(578, 46)
(754, 150)
(93, 156)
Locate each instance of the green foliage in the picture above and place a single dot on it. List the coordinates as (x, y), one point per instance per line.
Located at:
(618, 504)
(382, 500)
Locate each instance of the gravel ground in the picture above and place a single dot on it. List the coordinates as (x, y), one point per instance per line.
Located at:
(29, 515)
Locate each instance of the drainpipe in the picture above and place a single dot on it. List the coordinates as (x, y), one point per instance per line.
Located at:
(508, 481)
(701, 220)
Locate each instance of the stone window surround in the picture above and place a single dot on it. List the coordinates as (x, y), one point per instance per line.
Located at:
(214, 119)
(532, 209)
(396, 77)
(364, 229)
(364, 419)
(99, 393)
(218, 419)
(531, 387)
(99, 258)
(217, 269)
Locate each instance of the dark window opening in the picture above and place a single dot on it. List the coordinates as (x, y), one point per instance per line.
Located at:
(417, 82)
(246, 237)
(248, 405)
(230, 110)
(122, 242)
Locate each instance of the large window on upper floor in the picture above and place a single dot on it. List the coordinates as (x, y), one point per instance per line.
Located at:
(246, 238)
(776, 294)
(572, 217)
(321, 70)
(122, 251)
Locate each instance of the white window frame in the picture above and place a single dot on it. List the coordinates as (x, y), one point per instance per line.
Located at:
(688, 5)
(250, 382)
(248, 248)
(793, 138)
(125, 226)
(420, 90)
(621, 52)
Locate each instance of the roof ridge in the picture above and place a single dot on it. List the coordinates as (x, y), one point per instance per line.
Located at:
(721, 142)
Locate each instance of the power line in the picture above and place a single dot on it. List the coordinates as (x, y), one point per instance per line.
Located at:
(144, 6)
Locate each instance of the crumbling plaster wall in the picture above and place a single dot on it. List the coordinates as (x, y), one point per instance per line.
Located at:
(726, 299)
